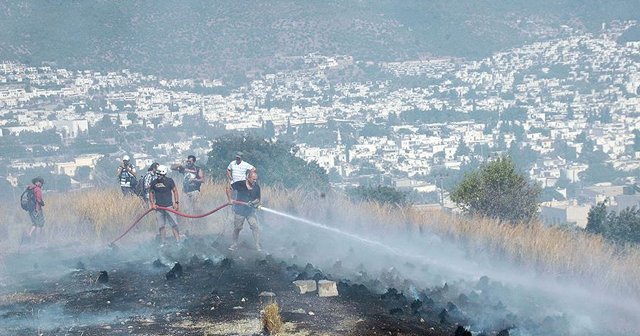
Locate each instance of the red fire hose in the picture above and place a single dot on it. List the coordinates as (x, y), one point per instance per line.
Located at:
(175, 212)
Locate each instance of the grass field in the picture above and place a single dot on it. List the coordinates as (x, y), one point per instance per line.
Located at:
(99, 215)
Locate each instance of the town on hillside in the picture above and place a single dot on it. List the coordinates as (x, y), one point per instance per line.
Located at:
(566, 110)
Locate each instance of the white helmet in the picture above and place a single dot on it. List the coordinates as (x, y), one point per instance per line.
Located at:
(161, 170)
(126, 158)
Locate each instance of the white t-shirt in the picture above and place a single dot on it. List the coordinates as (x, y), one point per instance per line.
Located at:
(239, 171)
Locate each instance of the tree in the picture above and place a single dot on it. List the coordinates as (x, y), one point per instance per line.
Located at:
(373, 130)
(105, 123)
(597, 218)
(105, 171)
(132, 116)
(379, 194)
(620, 228)
(636, 140)
(275, 162)
(498, 190)
(269, 129)
(83, 174)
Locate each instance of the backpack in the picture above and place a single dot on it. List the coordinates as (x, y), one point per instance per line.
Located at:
(127, 179)
(138, 189)
(142, 185)
(189, 183)
(28, 200)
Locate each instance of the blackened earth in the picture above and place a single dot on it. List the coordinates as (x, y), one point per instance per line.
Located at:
(199, 287)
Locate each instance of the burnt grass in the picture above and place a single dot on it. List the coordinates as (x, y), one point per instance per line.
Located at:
(199, 287)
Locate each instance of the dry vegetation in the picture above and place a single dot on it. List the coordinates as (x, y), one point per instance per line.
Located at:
(550, 250)
(271, 319)
(99, 215)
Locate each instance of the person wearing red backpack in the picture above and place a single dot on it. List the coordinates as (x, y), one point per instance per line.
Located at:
(37, 213)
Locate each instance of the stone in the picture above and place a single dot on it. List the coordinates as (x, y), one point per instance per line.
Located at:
(306, 286)
(267, 294)
(103, 277)
(327, 288)
(267, 297)
(177, 269)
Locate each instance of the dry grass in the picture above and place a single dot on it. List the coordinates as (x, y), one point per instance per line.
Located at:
(547, 250)
(100, 215)
(271, 320)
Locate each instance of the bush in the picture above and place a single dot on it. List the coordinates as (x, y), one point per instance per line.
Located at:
(497, 190)
(379, 194)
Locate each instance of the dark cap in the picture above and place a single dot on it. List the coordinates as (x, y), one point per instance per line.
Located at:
(37, 179)
(239, 154)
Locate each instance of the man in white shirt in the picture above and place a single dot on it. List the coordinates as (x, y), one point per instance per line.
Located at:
(237, 172)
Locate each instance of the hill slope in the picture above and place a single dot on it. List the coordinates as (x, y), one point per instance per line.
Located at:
(200, 38)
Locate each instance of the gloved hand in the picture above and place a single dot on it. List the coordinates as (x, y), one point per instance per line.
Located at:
(254, 203)
(41, 203)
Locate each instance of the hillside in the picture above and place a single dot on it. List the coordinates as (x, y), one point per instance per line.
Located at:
(195, 38)
(398, 270)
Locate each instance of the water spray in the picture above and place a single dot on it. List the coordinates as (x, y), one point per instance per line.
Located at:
(332, 229)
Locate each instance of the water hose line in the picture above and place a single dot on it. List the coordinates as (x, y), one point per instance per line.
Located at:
(177, 213)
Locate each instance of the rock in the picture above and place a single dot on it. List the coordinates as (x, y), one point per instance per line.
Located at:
(309, 268)
(461, 331)
(175, 272)
(416, 305)
(306, 286)
(103, 277)
(463, 299)
(504, 332)
(327, 288)
(80, 266)
(158, 263)
(483, 283)
(299, 311)
(207, 263)
(396, 311)
(392, 294)
(177, 269)
(226, 263)
(443, 315)
(319, 276)
(267, 294)
(195, 260)
(301, 276)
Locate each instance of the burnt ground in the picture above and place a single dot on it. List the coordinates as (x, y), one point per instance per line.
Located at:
(63, 291)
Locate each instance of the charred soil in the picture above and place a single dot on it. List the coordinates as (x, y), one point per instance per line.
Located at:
(194, 288)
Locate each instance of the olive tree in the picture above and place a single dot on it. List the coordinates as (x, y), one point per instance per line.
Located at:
(498, 190)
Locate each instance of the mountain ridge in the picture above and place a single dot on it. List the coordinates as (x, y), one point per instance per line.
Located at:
(198, 39)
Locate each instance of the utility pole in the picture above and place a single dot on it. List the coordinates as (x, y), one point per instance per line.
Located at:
(441, 191)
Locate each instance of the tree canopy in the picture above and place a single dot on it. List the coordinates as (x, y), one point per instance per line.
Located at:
(498, 190)
(622, 227)
(379, 194)
(275, 162)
